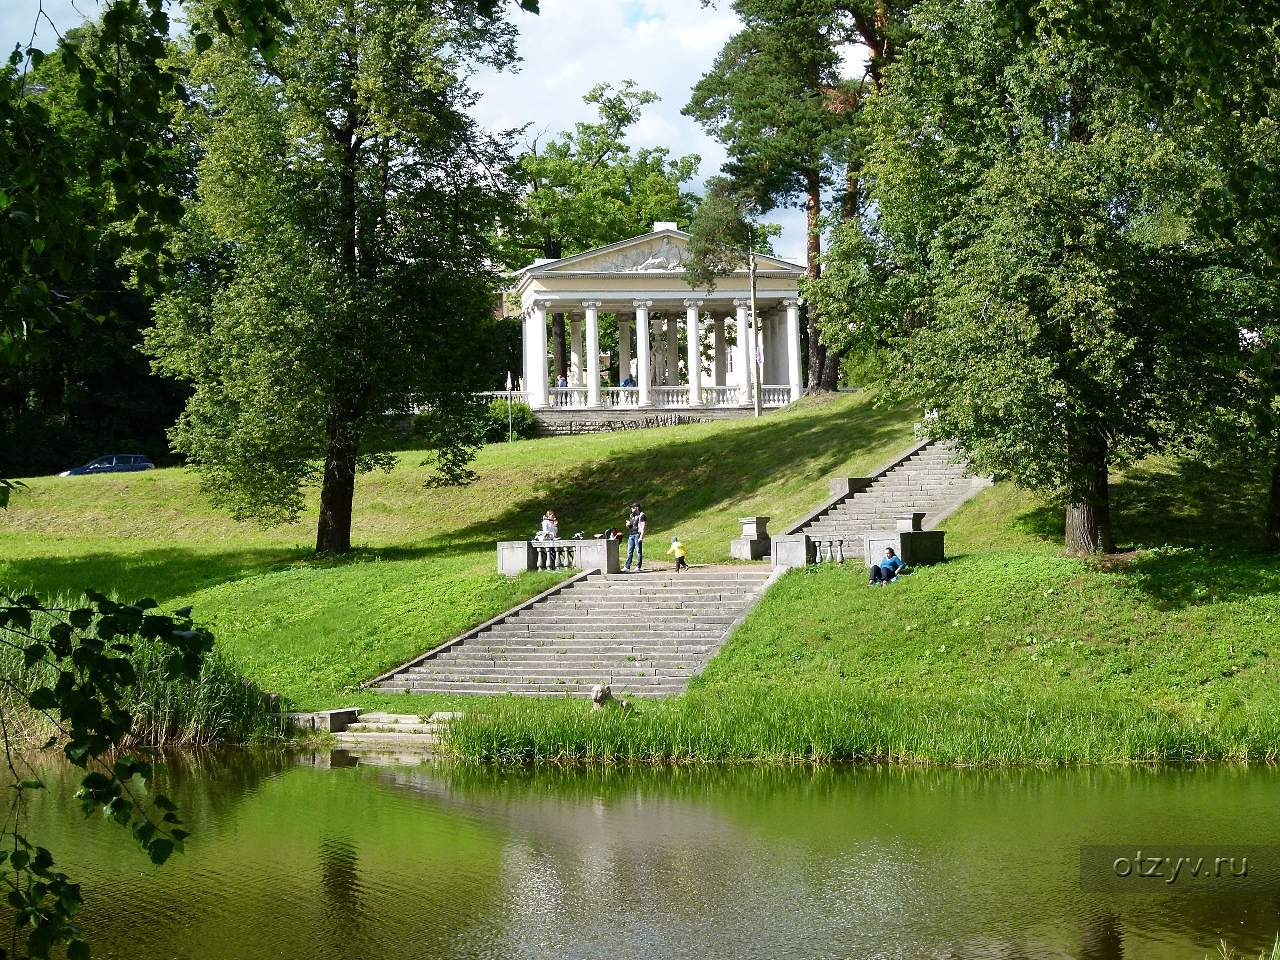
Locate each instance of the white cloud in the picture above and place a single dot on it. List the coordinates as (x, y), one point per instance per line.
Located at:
(663, 45)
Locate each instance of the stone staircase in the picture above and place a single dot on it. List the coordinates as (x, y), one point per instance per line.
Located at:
(644, 634)
(929, 479)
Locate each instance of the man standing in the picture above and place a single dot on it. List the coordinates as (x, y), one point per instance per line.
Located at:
(636, 523)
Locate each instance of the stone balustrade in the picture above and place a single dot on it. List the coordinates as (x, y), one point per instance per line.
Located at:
(517, 556)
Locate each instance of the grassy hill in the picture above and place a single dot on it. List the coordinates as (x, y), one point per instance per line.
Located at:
(424, 568)
(1008, 652)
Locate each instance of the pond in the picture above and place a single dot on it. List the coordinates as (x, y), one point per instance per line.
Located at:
(320, 856)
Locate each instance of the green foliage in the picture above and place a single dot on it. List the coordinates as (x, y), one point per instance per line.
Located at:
(81, 655)
(723, 229)
(52, 187)
(588, 187)
(338, 259)
(522, 422)
(1046, 293)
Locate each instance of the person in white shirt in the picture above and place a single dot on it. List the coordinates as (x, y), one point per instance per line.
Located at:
(550, 527)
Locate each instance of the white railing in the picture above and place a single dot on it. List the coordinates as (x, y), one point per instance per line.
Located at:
(567, 397)
(720, 396)
(830, 550)
(575, 398)
(670, 396)
(554, 554)
(620, 397)
(773, 395)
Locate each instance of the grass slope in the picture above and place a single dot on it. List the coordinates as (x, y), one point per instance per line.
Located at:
(424, 571)
(1007, 653)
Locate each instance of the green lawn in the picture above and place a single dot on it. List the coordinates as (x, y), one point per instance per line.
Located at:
(424, 568)
(1008, 652)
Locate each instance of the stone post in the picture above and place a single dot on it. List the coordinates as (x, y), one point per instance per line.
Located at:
(792, 550)
(693, 336)
(535, 338)
(593, 351)
(742, 352)
(643, 372)
(793, 347)
(754, 542)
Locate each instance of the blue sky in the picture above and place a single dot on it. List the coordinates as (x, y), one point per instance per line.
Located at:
(664, 45)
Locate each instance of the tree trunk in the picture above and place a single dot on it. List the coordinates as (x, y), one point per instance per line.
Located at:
(1272, 540)
(831, 371)
(1089, 499)
(813, 268)
(333, 533)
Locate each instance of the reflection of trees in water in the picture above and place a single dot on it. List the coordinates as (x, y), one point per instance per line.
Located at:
(1101, 938)
(869, 862)
(340, 891)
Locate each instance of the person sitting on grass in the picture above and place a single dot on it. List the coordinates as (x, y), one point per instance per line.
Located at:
(888, 568)
(677, 548)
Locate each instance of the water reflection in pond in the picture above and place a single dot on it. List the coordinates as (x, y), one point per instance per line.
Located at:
(319, 856)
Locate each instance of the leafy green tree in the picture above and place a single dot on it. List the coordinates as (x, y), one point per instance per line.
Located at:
(51, 189)
(339, 256)
(1054, 303)
(776, 98)
(587, 187)
(82, 388)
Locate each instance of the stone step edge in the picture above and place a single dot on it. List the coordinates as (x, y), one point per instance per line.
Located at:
(476, 630)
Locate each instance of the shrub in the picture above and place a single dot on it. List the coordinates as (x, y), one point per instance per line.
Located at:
(523, 426)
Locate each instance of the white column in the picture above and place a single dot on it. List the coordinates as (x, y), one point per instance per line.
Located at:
(793, 347)
(672, 344)
(717, 340)
(592, 325)
(535, 339)
(624, 348)
(693, 349)
(642, 349)
(742, 352)
(575, 351)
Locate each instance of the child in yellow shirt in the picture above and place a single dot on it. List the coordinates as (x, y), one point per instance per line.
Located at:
(677, 548)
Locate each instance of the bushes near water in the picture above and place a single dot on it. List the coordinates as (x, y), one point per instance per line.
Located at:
(218, 707)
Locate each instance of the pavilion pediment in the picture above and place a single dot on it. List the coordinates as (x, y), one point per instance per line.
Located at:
(665, 252)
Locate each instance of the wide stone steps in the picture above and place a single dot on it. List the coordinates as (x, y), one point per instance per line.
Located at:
(641, 633)
(535, 689)
(928, 482)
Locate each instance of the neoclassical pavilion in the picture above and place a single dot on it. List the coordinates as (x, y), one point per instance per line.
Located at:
(641, 281)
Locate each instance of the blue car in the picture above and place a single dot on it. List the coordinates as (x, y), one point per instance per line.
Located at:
(116, 463)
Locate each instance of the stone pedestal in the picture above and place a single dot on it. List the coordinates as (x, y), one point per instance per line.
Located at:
(514, 557)
(598, 554)
(792, 550)
(915, 546)
(754, 543)
(847, 486)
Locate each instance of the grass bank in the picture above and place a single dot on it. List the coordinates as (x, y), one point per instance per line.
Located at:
(1009, 652)
(424, 569)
